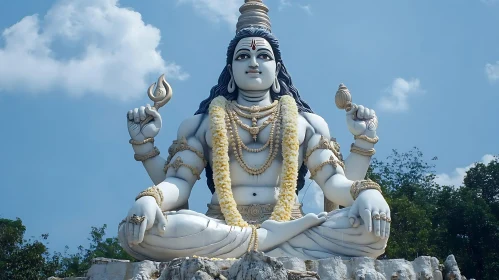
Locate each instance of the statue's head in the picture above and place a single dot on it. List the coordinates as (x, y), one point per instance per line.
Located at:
(253, 66)
(265, 58)
(254, 63)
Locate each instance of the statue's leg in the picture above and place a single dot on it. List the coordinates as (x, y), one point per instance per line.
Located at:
(188, 234)
(335, 237)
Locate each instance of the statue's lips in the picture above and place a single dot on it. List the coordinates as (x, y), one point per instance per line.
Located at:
(253, 72)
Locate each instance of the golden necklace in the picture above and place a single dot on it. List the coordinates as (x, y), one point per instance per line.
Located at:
(237, 144)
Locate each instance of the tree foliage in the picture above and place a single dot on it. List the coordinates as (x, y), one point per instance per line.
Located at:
(26, 259)
(428, 219)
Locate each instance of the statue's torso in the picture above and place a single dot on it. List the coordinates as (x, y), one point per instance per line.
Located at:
(252, 189)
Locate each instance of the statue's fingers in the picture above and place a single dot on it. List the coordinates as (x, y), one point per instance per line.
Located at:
(352, 112)
(366, 217)
(372, 113)
(382, 224)
(353, 215)
(142, 113)
(142, 231)
(156, 116)
(126, 227)
(388, 224)
(161, 219)
(136, 229)
(376, 222)
(136, 116)
(130, 115)
(130, 234)
(361, 112)
(152, 112)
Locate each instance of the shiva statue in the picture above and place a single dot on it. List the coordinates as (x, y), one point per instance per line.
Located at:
(256, 139)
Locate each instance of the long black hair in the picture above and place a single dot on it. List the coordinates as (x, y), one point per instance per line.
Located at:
(287, 88)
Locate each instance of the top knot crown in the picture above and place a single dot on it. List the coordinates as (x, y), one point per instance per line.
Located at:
(253, 14)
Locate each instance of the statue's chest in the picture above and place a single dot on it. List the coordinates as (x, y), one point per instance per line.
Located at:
(251, 144)
(254, 137)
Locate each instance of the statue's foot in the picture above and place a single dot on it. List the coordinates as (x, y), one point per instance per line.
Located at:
(308, 221)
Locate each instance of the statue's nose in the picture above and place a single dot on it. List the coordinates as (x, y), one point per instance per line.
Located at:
(253, 62)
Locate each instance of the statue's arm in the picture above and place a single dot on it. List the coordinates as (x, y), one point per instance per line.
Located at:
(321, 159)
(154, 165)
(184, 165)
(356, 165)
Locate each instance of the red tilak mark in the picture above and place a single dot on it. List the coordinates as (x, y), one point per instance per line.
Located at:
(253, 44)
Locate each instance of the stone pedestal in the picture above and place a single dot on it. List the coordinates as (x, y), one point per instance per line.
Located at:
(256, 265)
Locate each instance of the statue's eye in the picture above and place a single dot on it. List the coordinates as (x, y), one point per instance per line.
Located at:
(265, 56)
(242, 56)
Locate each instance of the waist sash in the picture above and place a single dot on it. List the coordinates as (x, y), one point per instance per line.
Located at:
(254, 214)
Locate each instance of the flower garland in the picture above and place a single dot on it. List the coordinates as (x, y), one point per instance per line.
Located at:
(221, 176)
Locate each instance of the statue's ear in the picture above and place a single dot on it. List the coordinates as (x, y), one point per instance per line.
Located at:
(278, 68)
(229, 68)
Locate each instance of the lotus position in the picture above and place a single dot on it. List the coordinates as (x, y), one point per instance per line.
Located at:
(257, 140)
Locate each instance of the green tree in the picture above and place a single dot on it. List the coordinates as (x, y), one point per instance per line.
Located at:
(407, 181)
(471, 220)
(428, 219)
(23, 259)
(26, 259)
(77, 264)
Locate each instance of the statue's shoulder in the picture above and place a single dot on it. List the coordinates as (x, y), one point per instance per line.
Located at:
(315, 123)
(193, 126)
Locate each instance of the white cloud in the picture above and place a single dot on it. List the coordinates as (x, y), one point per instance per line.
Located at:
(83, 46)
(457, 176)
(492, 71)
(217, 10)
(306, 8)
(283, 4)
(489, 2)
(397, 96)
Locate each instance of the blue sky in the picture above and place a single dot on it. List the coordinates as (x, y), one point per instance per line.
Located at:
(70, 70)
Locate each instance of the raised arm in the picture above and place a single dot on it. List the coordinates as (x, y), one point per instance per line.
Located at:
(321, 158)
(327, 171)
(186, 161)
(176, 175)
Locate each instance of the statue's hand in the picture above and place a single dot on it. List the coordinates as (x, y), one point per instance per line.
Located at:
(362, 120)
(374, 211)
(145, 209)
(140, 132)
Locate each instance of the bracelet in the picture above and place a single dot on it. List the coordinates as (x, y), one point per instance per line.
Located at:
(362, 185)
(147, 140)
(151, 154)
(367, 138)
(362, 151)
(154, 192)
(332, 161)
(177, 163)
(182, 145)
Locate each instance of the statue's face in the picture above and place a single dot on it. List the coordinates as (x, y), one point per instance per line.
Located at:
(253, 64)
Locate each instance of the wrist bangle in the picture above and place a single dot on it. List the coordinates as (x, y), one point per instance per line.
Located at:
(147, 140)
(362, 151)
(154, 192)
(362, 185)
(151, 154)
(367, 138)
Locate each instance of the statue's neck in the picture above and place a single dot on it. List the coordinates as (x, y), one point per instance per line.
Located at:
(254, 98)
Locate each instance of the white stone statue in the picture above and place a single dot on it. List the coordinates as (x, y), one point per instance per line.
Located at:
(256, 138)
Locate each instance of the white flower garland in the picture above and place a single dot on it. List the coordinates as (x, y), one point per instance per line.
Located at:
(221, 175)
